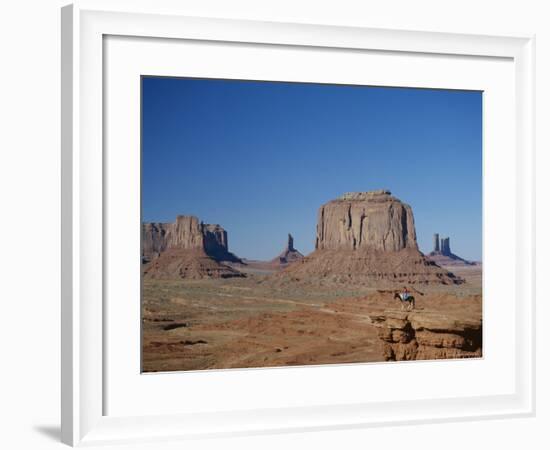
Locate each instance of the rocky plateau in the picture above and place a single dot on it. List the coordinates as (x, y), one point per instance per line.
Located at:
(439, 334)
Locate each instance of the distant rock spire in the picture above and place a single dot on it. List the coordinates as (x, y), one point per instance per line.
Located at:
(442, 254)
(290, 244)
(289, 254)
(446, 246)
(436, 242)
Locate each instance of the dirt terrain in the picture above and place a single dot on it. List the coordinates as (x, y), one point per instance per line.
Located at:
(253, 322)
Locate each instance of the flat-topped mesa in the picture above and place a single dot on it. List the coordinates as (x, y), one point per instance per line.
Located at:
(366, 220)
(186, 233)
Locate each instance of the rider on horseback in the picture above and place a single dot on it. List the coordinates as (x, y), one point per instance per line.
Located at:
(405, 294)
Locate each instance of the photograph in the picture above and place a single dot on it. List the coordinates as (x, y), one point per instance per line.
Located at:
(304, 224)
(275, 225)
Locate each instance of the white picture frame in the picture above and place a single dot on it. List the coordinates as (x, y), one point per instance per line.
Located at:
(85, 418)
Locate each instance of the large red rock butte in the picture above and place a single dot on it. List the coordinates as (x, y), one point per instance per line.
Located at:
(186, 248)
(368, 238)
(186, 233)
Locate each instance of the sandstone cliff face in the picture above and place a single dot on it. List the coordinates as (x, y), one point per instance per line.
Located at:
(366, 220)
(186, 233)
(153, 238)
(215, 242)
(426, 335)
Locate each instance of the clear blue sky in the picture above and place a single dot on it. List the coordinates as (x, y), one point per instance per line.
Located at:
(259, 158)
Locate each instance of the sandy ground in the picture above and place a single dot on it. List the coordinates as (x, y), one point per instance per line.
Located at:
(238, 323)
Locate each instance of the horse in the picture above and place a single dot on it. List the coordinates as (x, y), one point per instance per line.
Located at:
(409, 300)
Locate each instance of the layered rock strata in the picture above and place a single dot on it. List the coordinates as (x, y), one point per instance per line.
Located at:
(187, 264)
(186, 248)
(186, 233)
(368, 238)
(365, 220)
(423, 335)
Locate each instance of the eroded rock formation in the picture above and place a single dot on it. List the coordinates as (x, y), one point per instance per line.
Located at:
(442, 254)
(368, 238)
(153, 239)
(446, 246)
(436, 242)
(186, 233)
(366, 220)
(186, 248)
(428, 335)
(289, 254)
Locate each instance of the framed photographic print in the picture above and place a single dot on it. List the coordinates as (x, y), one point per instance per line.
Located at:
(270, 226)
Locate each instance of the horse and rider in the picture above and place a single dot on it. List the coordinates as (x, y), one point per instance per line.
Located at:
(406, 298)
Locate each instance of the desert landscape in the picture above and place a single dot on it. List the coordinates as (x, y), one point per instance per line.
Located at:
(204, 307)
